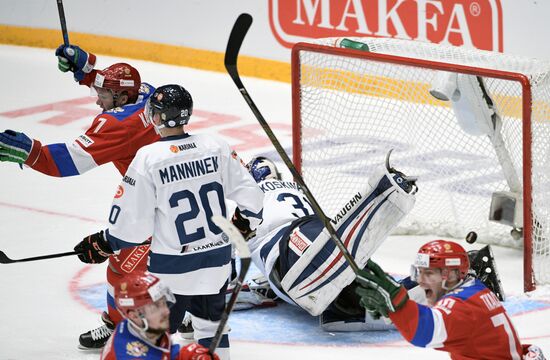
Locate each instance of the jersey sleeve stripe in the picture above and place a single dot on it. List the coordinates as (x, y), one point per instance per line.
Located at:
(181, 264)
(81, 158)
(249, 213)
(425, 327)
(62, 159)
(116, 243)
(439, 331)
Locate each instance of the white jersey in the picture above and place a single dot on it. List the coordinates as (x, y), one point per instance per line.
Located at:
(171, 190)
(284, 202)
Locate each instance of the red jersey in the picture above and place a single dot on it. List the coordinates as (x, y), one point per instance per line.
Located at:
(469, 323)
(114, 136)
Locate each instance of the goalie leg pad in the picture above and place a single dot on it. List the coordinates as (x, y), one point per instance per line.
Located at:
(317, 270)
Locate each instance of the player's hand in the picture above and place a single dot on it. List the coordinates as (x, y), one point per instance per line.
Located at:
(15, 146)
(532, 352)
(74, 59)
(195, 352)
(379, 292)
(94, 249)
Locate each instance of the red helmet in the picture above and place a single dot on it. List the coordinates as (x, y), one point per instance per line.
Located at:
(119, 77)
(443, 254)
(139, 289)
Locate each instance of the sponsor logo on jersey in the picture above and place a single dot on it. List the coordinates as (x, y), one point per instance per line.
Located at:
(350, 205)
(129, 180)
(137, 348)
(84, 140)
(177, 148)
(138, 254)
(472, 23)
(297, 243)
(190, 169)
(119, 192)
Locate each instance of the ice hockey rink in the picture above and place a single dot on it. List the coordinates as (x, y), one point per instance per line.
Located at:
(46, 304)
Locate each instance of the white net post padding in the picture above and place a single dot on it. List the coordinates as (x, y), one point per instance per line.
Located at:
(351, 110)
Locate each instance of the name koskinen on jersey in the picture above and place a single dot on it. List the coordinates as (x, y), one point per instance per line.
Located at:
(189, 169)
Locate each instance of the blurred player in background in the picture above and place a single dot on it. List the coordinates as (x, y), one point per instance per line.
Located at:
(170, 192)
(144, 302)
(114, 136)
(463, 317)
(294, 251)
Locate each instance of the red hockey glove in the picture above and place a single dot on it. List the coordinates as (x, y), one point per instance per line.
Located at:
(532, 352)
(94, 249)
(195, 352)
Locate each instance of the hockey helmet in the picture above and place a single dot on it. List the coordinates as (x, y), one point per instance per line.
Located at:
(139, 289)
(261, 168)
(117, 78)
(442, 254)
(172, 103)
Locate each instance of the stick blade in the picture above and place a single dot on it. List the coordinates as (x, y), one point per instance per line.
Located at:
(234, 235)
(4, 259)
(240, 28)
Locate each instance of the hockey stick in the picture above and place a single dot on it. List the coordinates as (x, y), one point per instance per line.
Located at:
(63, 22)
(4, 259)
(236, 38)
(244, 254)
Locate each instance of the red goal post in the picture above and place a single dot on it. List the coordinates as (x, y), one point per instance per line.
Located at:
(351, 106)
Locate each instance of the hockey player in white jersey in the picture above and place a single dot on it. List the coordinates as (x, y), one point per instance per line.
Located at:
(294, 251)
(170, 192)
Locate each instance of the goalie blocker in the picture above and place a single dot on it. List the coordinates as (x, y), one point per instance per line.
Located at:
(305, 267)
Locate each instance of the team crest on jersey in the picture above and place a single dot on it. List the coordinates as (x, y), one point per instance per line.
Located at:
(136, 348)
(119, 192)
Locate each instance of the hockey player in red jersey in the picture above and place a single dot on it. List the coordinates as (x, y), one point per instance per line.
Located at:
(144, 301)
(114, 136)
(463, 318)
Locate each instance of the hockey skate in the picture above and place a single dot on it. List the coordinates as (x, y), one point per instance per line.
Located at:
(407, 183)
(255, 292)
(186, 330)
(95, 339)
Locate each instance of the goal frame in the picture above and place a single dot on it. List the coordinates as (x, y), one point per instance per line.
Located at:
(528, 274)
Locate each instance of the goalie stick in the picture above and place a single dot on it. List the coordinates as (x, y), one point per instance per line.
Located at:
(236, 38)
(63, 22)
(244, 254)
(4, 259)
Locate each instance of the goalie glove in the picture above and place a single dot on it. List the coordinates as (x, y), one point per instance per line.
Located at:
(380, 293)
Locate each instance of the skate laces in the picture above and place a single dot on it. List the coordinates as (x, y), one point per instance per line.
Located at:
(101, 332)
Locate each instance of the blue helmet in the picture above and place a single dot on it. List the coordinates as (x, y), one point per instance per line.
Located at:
(261, 168)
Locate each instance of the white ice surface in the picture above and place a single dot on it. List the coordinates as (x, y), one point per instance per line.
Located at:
(39, 316)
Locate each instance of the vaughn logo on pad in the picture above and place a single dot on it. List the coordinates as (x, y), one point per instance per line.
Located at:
(473, 23)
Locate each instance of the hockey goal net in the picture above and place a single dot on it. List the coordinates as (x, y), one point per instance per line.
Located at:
(350, 106)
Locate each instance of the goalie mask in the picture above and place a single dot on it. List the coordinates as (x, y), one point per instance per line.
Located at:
(118, 78)
(140, 289)
(444, 255)
(261, 168)
(170, 105)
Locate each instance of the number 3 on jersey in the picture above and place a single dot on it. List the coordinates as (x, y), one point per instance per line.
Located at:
(296, 203)
(196, 206)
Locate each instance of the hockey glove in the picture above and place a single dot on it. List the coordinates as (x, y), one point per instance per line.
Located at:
(242, 224)
(196, 352)
(94, 249)
(379, 292)
(72, 58)
(15, 146)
